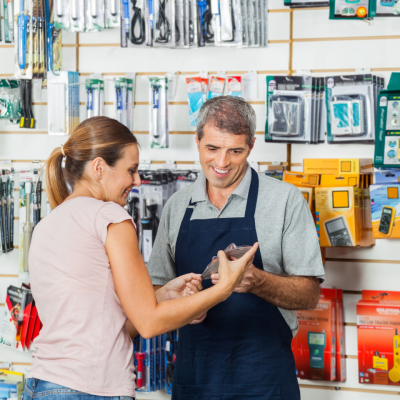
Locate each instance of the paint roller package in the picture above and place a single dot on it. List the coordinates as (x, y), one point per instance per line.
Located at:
(314, 346)
(378, 329)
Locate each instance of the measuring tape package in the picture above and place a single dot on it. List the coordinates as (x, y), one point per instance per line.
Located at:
(289, 109)
(351, 108)
(378, 321)
(349, 9)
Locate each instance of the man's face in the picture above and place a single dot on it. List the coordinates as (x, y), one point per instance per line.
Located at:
(223, 156)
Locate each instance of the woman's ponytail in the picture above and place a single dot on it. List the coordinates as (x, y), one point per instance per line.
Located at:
(56, 185)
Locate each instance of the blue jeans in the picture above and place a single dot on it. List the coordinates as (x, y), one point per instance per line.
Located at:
(36, 388)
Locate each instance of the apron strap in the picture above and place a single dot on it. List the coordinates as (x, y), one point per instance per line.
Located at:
(249, 222)
(188, 214)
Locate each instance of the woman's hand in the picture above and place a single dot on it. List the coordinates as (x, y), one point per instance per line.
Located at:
(179, 287)
(231, 273)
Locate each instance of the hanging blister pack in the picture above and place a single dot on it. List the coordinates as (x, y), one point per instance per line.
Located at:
(23, 46)
(77, 15)
(158, 113)
(216, 86)
(62, 14)
(138, 23)
(231, 251)
(10, 104)
(228, 22)
(94, 97)
(164, 23)
(264, 23)
(196, 88)
(120, 107)
(182, 23)
(194, 35)
(206, 23)
(9, 21)
(95, 19)
(350, 105)
(112, 13)
(235, 86)
(289, 109)
(130, 100)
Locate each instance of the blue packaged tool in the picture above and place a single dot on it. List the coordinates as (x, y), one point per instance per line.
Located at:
(170, 340)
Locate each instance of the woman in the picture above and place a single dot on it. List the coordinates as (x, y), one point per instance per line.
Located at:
(88, 276)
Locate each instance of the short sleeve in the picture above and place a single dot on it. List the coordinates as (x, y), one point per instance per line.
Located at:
(161, 265)
(109, 213)
(300, 245)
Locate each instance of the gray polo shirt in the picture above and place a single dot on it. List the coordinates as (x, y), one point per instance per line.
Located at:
(285, 229)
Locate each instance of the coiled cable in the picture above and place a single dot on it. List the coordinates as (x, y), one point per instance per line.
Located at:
(137, 19)
(206, 28)
(163, 26)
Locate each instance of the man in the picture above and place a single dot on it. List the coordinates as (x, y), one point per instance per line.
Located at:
(241, 348)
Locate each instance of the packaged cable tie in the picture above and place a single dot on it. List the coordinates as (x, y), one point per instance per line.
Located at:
(95, 17)
(165, 32)
(216, 86)
(158, 124)
(231, 251)
(113, 13)
(235, 86)
(196, 98)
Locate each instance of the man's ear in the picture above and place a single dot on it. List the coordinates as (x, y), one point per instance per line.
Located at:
(197, 140)
(252, 145)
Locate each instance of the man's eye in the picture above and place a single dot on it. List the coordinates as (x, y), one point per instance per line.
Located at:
(211, 149)
(236, 151)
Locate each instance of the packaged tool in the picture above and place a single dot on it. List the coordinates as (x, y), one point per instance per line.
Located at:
(94, 97)
(170, 345)
(349, 9)
(378, 320)
(306, 3)
(206, 23)
(196, 88)
(183, 178)
(143, 363)
(120, 104)
(166, 31)
(112, 13)
(9, 21)
(289, 109)
(387, 144)
(385, 210)
(53, 58)
(158, 113)
(95, 18)
(63, 102)
(231, 251)
(318, 347)
(11, 384)
(350, 107)
(194, 25)
(235, 86)
(216, 86)
(228, 23)
(10, 100)
(182, 24)
(130, 98)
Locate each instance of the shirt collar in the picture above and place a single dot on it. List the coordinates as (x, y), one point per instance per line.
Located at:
(200, 187)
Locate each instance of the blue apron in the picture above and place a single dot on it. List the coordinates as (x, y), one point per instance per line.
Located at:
(242, 348)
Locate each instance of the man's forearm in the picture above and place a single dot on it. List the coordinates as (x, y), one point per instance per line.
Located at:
(288, 292)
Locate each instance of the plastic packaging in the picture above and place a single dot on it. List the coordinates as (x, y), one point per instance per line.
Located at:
(235, 86)
(216, 86)
(196, 98)
(120, 108)
(158, 112)
(95, 19)
(112, 13)
(231, 251)
(166, 33)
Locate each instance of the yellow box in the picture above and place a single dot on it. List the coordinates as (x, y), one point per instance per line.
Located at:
(299, 179)
(337, 166)
(336, 213)
(340, 180)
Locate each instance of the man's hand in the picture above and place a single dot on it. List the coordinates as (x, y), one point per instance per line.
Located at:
(252, 279)
(180, 287)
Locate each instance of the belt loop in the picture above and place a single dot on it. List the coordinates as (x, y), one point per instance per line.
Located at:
(34, 383)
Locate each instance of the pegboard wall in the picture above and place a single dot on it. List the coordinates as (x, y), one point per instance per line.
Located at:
(303, 39)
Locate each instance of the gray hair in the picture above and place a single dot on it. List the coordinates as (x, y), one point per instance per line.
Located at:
(229, 115)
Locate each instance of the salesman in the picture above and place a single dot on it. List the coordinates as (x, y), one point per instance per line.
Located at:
(241, 348)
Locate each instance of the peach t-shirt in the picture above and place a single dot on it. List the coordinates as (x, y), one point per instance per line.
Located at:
(83, 344)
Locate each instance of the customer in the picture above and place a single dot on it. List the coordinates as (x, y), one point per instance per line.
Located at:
(88, 276)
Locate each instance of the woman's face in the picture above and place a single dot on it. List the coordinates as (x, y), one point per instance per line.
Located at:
(118, 181)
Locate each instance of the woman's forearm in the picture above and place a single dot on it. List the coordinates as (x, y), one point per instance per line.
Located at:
(173, 314)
